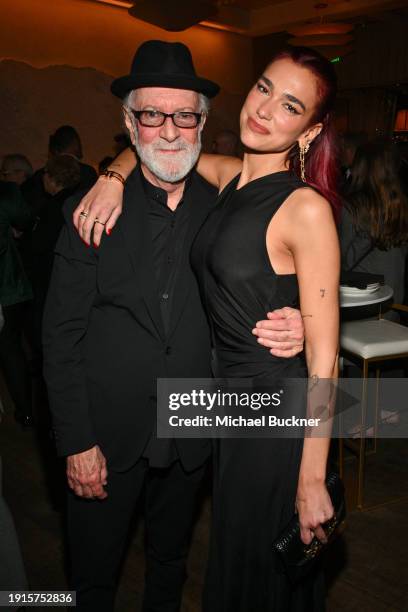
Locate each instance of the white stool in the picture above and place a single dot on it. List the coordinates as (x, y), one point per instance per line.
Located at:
(370, 341)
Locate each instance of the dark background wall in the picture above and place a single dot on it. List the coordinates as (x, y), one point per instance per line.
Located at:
(58, 57)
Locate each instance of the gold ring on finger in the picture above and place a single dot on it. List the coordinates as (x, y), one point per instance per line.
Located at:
(83, 214)
(100, 222)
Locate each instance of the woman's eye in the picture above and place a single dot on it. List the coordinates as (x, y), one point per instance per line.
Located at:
(292, 109)
(261, 88)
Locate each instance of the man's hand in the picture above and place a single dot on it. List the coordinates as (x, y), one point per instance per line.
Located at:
(102, 206)
(283, 332)
(87, 473)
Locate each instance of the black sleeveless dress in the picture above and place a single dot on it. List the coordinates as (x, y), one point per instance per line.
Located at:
(255, 480)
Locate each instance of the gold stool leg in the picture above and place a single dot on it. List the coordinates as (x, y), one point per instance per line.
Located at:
(361, 458)
(377, 414)
(340, 420)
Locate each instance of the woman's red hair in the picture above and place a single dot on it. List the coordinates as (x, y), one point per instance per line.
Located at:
(321, 163)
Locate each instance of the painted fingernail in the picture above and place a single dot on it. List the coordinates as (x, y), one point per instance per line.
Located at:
(108, 231)
(95, 245)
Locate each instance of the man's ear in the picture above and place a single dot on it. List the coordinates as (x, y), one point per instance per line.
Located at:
(127, 119)
(129, 124)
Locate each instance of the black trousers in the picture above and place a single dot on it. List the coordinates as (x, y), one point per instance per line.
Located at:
(97, 532)
(13, 359)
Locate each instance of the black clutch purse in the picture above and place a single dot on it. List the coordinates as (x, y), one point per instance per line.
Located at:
(298, 558)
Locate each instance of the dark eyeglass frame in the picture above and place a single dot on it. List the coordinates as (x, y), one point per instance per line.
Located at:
(138, 113)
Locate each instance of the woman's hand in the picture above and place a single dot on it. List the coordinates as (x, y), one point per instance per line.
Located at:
(315, 508)
(103, 205)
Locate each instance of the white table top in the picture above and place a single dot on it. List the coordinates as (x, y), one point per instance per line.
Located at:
(382, 294)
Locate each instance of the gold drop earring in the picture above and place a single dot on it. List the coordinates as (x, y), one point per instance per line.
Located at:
(303, 149)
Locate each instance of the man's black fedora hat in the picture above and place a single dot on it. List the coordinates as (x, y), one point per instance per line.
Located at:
(163, 64)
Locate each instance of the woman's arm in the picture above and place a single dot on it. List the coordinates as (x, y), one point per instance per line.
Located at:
(104, 200)
(218, 170)
(314, 243)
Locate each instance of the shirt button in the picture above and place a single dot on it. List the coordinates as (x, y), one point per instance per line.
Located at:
(165, 296)
(168, 350)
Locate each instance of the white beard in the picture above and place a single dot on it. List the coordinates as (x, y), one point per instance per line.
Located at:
(168, 170)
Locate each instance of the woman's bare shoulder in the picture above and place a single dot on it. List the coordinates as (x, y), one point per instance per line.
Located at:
(307, 206)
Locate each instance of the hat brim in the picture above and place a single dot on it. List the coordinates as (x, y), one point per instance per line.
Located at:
(121, 86)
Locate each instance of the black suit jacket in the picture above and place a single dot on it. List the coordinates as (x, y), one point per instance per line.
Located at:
(104, 340)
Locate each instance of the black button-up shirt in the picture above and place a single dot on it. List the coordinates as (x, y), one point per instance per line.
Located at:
(168, 230)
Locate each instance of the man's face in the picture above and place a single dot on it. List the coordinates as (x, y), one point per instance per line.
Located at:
(168, 151)
(11, 173)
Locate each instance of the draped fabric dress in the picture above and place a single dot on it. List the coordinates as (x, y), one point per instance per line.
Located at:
(255, 480)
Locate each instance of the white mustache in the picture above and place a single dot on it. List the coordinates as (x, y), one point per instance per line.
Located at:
(162, 147)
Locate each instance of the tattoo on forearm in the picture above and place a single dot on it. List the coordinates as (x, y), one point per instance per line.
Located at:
(322, 292)
(314, 380)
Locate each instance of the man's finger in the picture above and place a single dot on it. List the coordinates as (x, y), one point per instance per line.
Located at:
(87, 492)
(284, 313)
(284, 346)
(275, 315)
(99, 492)
(277, 325)
(276, 336)
(289, 353)
(78, 490)
(104, 475)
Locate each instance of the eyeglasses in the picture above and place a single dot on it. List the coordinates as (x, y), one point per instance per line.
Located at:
(154, 118)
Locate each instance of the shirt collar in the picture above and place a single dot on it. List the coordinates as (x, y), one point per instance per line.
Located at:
(157, 193)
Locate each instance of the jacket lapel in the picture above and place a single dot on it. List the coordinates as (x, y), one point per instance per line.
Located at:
(135, 228)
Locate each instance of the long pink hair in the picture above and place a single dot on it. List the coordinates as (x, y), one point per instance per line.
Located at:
(321, 162)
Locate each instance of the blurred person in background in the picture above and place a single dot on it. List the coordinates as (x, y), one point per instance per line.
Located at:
(374, 222)
(349, 143)
(65, 141)
(61, 177)
(104, 164)
(374, 232)
(15, 292)
(15, 168)
(12, 573)
(122, 142)
(226, 142)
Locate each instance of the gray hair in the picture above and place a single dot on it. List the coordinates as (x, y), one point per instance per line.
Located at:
(18, 162)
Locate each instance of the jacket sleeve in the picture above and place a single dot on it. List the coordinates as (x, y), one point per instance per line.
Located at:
(71, 294)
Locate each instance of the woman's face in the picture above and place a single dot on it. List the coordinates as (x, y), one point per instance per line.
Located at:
(279, 107)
